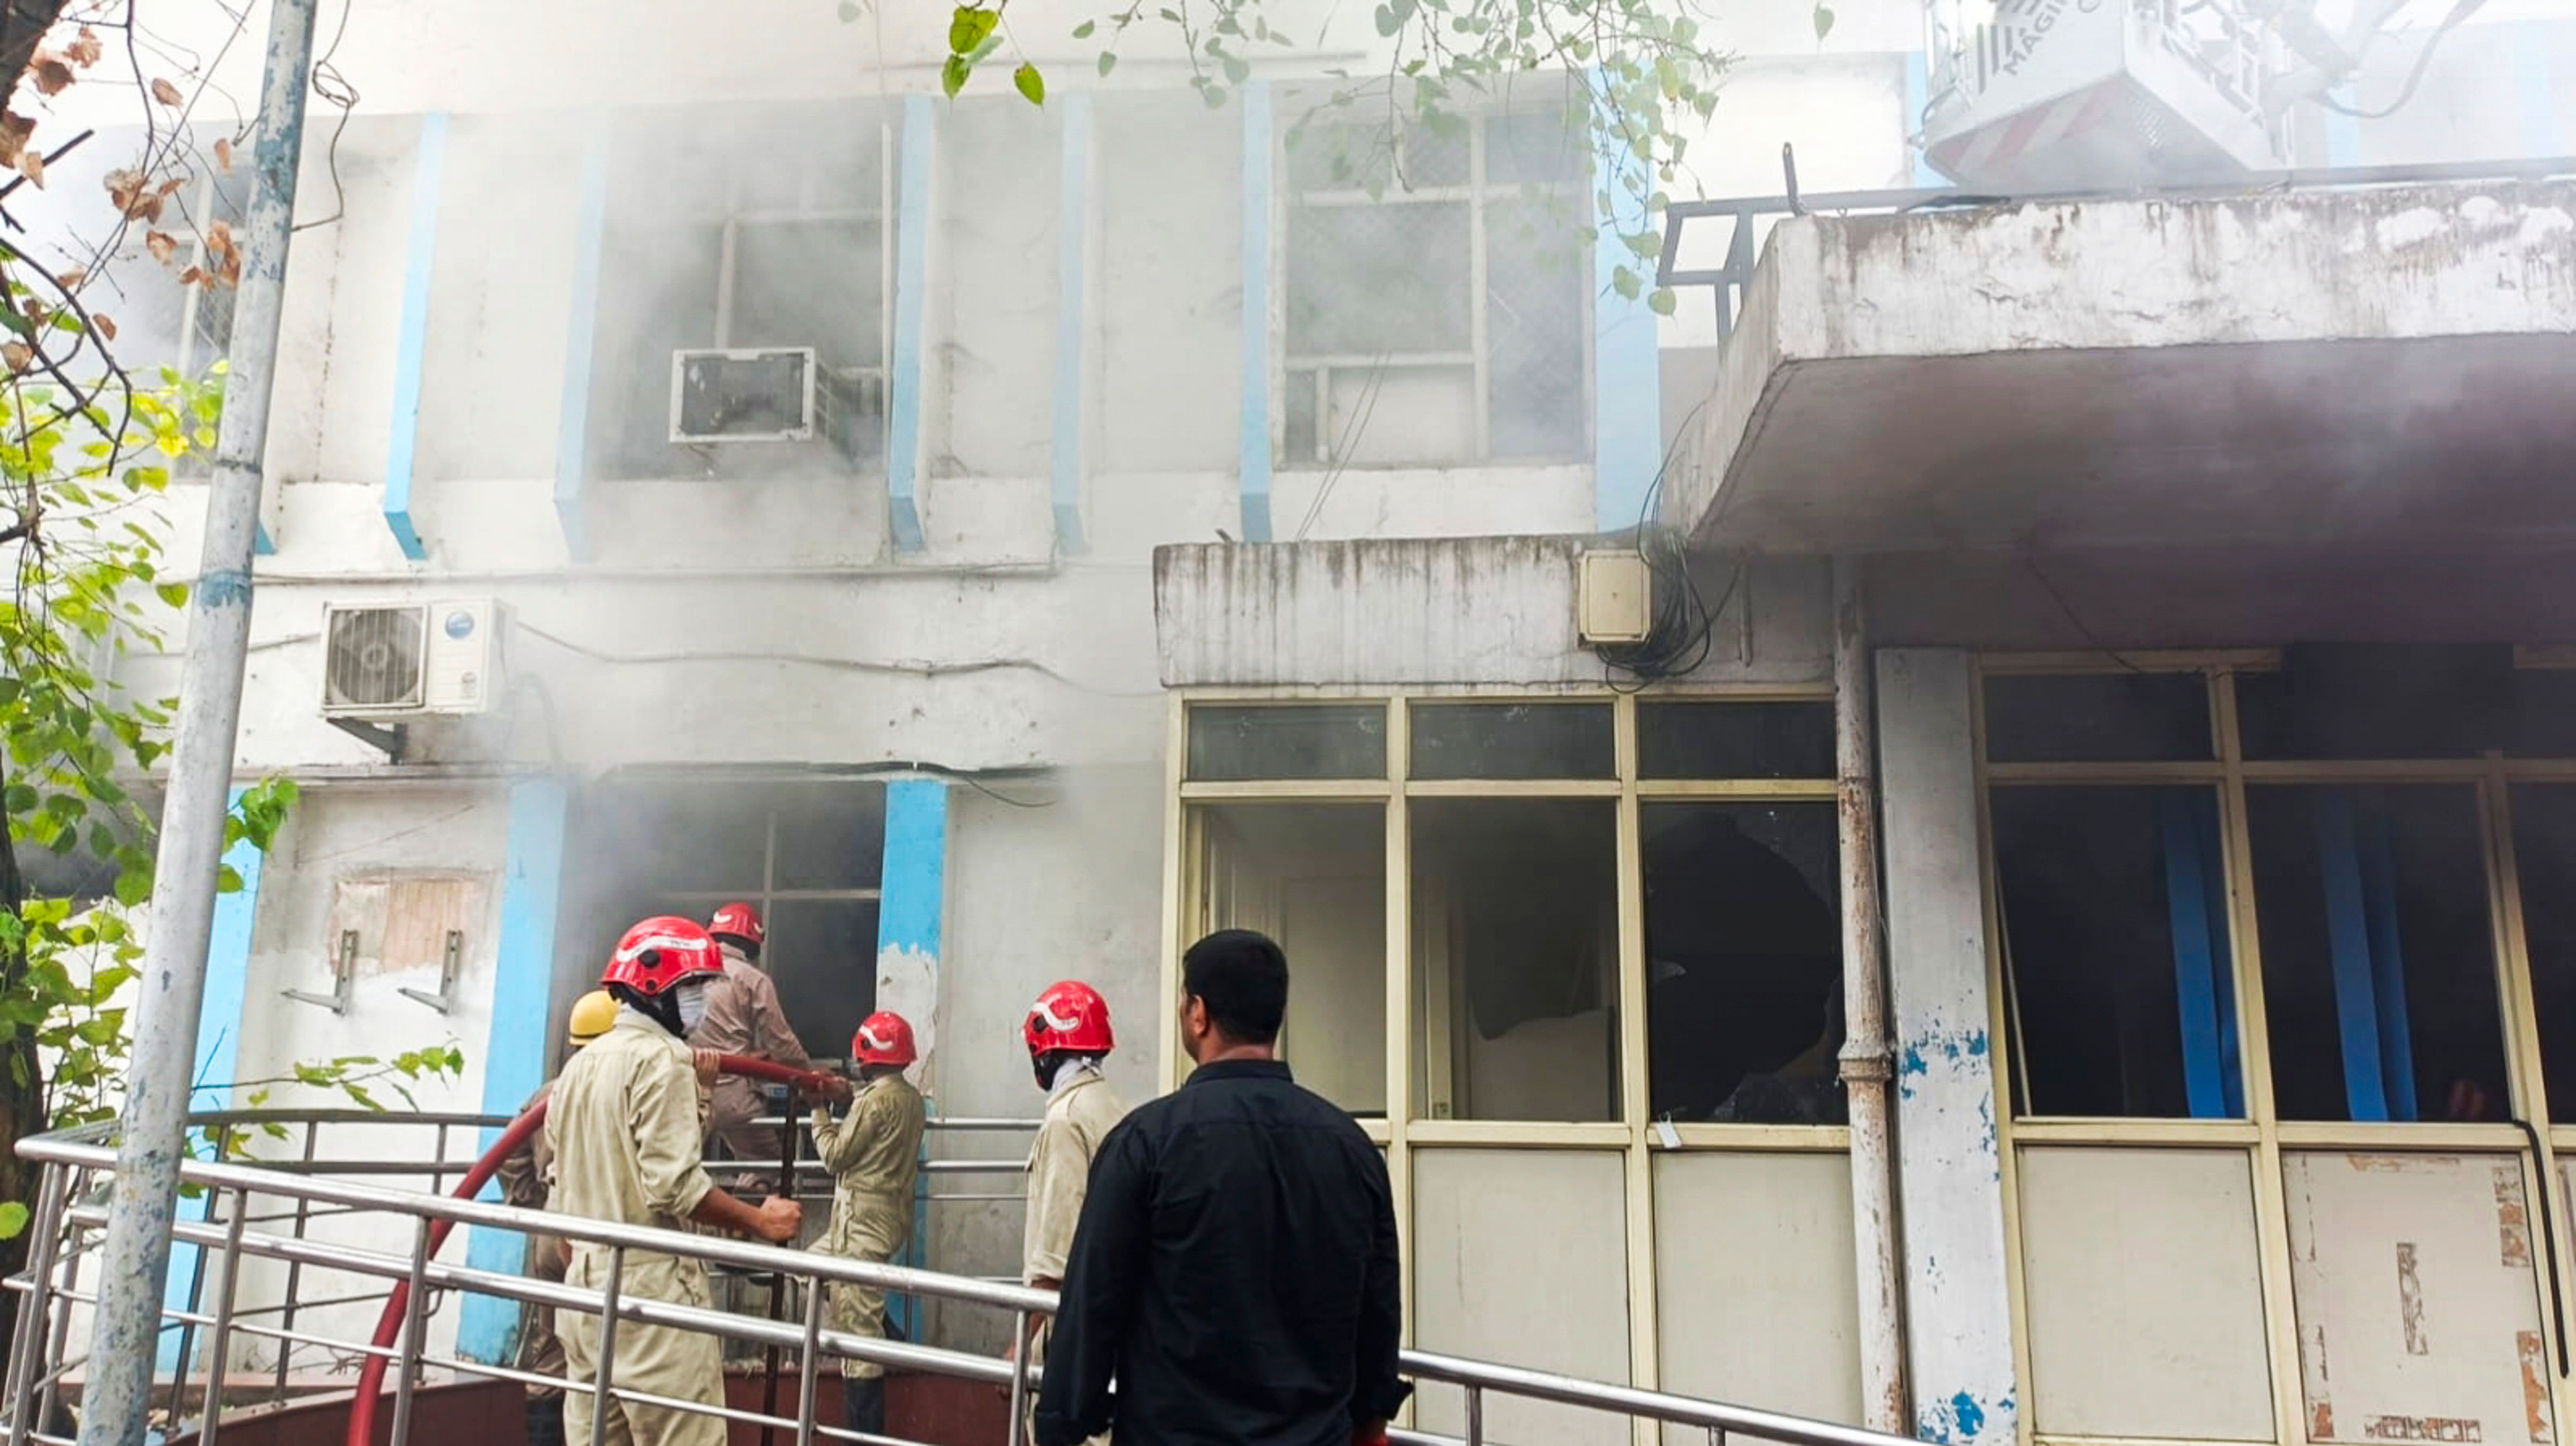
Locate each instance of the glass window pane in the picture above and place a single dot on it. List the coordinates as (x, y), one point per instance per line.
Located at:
(2121, 986)
(696, 838)
(1382, 279)
(1313, 877)
(2378, 965)
(1513, 740)
(1515, 950)
(831, 836)
(2097, 718)
(2544, 854)
(1735, 740)
(2544, 713)
(823, 953)
(1535, 275)
(1232, 744)
(2376, 700)
(1743, 962)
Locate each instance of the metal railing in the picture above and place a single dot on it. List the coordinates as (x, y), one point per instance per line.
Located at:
(296, 1193)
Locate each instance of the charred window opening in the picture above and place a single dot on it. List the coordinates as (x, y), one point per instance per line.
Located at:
(2378, 956)
(2118, 975)
(1516, 946)
(2544, 851)
(2097, 718)
(1437, 290)
(1743, 962)
(764, 232)
(807, 853)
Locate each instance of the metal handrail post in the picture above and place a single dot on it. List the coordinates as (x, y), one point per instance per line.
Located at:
(809, 1363)
(415, 1325)
(67, 1267)
(599, 1395)
(295, 1269)
(220, 1342)
(1019, 1375)
(33, 1309)
(1475, 1416)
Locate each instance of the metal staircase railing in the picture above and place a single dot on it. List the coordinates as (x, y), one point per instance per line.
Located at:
(334, 1220)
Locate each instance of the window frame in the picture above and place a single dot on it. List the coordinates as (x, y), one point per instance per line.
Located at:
(1478, 193)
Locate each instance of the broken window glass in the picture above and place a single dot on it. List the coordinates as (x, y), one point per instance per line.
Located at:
(1515, 949)
(2378, 953)
(2119, 979)
(1743, 962)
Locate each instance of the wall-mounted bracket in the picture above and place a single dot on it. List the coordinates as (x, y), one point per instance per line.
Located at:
(387, 739)
(344, 978)
(450, 962)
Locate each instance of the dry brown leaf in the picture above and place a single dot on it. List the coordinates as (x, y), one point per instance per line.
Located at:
(31, 164)
(228, 271)
(162, 244)
(193, 276)
(51, 74)
(223, 154)
(86, 49)
(219, 240)
(106, 324)
(71, 280)
(17, 355)
(14, 130)
(166, 93)
(170, 187)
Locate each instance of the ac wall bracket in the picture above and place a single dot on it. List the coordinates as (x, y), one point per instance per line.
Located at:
(450, 962)
(344, 978)
(385, 738)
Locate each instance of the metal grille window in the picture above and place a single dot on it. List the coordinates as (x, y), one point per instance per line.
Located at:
(767, 229)
(1436, 293)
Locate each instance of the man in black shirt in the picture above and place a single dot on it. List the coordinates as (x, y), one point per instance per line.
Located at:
(1235, 1272)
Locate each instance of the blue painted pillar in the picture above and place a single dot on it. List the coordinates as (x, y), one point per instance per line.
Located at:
(1958, 1306)
(1259, 145)
(1070, 458)
(413, 343)
(218, 1064)
(1627, 370)
(515, 1048)
(2535, 90)
(911, 909)
(572, 437)
(919, 158)
(2343, 132)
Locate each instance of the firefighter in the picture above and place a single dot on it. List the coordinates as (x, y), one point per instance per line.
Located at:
(874, 1154)
(743, 1018)
(1068, 1036)
(627, 1143)
(523, 1183)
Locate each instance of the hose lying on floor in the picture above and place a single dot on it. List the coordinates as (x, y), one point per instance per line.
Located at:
(371, 1376)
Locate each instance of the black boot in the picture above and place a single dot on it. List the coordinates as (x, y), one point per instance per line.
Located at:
(546, 1421)
(863, 1404)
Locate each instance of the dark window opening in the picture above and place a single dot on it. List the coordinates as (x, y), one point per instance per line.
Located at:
(1735, 740)
(1743, 962)
(2379, 700)
(2097, 718)
(1513, 740)
(2544, 850)
(1287, 741)
(2119, 981)
(2378, 955)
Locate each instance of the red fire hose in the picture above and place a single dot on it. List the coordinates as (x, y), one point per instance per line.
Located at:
(371, 1376)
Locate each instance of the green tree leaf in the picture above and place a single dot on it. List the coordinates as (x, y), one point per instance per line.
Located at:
(970, 26)
(1824, 22)
(1108, 62)
(953, 73)
(1029, 83)
(13, 1219)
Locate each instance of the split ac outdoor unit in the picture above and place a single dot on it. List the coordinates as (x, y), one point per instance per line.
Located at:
(764, 395)
(409, 660)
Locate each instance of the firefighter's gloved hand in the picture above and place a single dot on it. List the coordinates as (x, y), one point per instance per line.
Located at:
(829, 1087)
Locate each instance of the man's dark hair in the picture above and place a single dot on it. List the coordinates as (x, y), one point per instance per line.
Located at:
(1242, 979)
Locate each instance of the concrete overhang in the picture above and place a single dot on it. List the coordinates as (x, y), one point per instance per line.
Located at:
(2381, 366)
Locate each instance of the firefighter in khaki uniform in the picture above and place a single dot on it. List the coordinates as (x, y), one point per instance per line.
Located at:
(627, 1135)
(1068, 1036)
(523, 1183)
(874, 1154)
(744, 1018)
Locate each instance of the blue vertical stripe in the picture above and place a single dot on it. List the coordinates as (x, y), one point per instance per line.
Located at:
(1918, 95)
(1258, 147)
(413, 343)
(2387, 965)
(1072, 321)
(514, 1050)
(911, 905)
(220, 1012)
(1627, 371)
(2348, 940)
(261, 542)
(2343, 132)
(2535, 90)
(911, 283)
(2213, 864)
(572, 442)
(2196, 980)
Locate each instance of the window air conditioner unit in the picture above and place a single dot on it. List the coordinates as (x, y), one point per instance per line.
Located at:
(764, 395)
(411, 660)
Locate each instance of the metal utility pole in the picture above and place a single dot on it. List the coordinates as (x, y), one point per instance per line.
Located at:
(124, 1338)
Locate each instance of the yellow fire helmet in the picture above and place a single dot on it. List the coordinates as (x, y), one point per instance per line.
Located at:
(592, 1014)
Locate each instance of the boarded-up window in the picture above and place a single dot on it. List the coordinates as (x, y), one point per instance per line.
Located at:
(403, 920)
